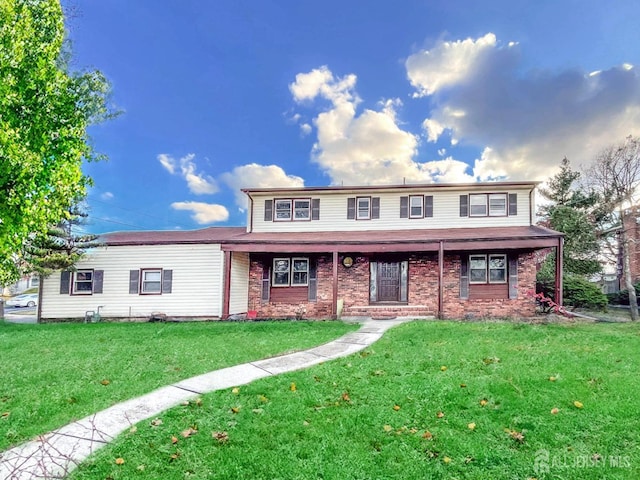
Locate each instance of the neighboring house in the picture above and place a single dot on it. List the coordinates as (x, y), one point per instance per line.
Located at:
(443, 250)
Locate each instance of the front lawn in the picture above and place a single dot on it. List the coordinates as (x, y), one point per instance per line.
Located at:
(53, 374)
(429, 400)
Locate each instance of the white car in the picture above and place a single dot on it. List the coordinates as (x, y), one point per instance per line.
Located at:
(24, 300)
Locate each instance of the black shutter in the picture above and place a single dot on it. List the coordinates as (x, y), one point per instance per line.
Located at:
(375, 207)
(65, 282)
(513, 204)
(464, 205)
(266, 283)
(313, 280)
(351, 208)
(464, 276)
(428, 206)
(404, 207)
(98, 278)
(268, 210)
(315, 209)
(134, 281)
(513, 276)
(167, 280)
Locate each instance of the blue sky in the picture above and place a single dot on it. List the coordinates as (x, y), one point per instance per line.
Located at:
(220, 95)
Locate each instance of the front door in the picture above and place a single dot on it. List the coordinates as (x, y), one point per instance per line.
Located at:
(388, 281)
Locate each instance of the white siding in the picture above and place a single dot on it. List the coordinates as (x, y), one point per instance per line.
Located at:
(446, 212)
(196, 286)
(239, 288)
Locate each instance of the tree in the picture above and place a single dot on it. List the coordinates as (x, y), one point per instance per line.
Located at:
(44, 113)
(571, 211)
(615, 175)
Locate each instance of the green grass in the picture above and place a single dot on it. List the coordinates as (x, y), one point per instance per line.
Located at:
(340, 422)
(53, 374)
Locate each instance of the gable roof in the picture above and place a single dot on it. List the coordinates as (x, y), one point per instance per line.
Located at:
(169, 237)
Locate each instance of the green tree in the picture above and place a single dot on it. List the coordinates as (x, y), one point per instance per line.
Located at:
(45, 110)
(573, 212)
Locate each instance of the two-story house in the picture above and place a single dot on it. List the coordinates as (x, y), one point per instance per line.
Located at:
(444, 250)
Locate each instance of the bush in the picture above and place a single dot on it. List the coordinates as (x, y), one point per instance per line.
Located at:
(576, 292)
(622, 297)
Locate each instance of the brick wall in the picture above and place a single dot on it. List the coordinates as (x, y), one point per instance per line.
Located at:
(353, 289)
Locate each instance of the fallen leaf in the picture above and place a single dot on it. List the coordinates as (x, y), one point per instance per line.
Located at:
(133, 429)
(140, 468)
(387, 428)
(440, 414)
(174, 456)
(463, 385)
(428, 435)
(235, 409)
(105, 381)
(472, 426)
(578, 404)
(188, 432)
(396, 407)
(174, 439)
(446, 460)
(221, 437)
(554, 411)
(235, 391)
(443, 368)
(483, 402)
(198, 401)
(292, 387)
(119, 461)
(346, 397)
(553, 379)
(5, 414)
(305, 423)
(517, 436)
(263, 399)
(258, 410)
(156, 422)
(185, 403)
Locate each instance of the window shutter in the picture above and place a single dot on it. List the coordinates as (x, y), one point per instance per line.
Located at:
(351, 208)
(464, 276)
(266, 283)
(65, 282)
(134, 281)
(373, 281)
(464, 205)
(315, 209)
(375, 207)
(404, 207)
(98, 277)
(167, 281)
(513, 276)
(313, 280)
(513, 204)
(404, 275)
(268, 210)
(428, 206)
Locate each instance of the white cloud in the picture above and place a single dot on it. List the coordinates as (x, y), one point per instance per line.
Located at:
(446, 64)
(106, 196)
(198, 183)
(305, 129)
(203, 213)
(258, 176)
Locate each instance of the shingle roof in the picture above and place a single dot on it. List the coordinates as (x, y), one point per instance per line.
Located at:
(165, 237)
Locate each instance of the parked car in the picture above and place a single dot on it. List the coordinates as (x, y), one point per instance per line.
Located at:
(24, 300)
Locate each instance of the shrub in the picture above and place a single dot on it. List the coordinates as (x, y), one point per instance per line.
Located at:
(576, 292)
(622, 297)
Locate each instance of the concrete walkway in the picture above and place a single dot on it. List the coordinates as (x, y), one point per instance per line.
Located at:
(55, 454)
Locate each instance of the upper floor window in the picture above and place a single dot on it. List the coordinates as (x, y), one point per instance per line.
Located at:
(488, 268)
(363, 211)
(283, 210)
(82, 282)
(488, 205)
(302, 209)
(416, 204)
(363, 208)
(287, 209)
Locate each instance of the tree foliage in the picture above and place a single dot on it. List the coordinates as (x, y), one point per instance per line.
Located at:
(574, 212)
(44, 113)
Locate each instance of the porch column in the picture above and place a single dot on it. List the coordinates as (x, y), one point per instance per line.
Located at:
(334, 300)
(440, 279)
(226, 285)
(559, 270)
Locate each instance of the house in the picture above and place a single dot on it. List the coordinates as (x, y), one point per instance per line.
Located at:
(443, 250)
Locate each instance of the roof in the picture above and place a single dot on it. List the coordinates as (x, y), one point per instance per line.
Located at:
(407, 186)
(397, 240)
(168, 237)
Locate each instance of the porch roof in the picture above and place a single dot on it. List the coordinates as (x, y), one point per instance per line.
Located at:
(503, 238)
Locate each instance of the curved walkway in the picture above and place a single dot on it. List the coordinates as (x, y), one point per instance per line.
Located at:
(55, 454)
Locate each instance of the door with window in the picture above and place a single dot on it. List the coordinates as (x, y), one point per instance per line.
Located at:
(388, 281)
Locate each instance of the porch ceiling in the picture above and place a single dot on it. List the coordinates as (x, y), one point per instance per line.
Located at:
(503, 238)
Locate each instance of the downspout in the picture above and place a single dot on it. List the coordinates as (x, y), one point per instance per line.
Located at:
(250, 224)
(334, 300)
(226, 285)
(39, 309)
(531, 205)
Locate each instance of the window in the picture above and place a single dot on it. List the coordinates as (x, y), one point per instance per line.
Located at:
(283, 210)
(416, 203)
(478, 205)
(497, 204)
(290, 272)
(363, 211)
(83, 282)
(151, 281)
(302, 209)
(487, 268)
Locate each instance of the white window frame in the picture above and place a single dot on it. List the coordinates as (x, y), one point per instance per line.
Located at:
(502, 212)
(76, 280)
(144, 282)
(290, 272)
(280, 202)
(420, 200)
(480, 199)
(295, 269)
(275, 271)
(297, 209)
(365, 215)
(488, 268)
